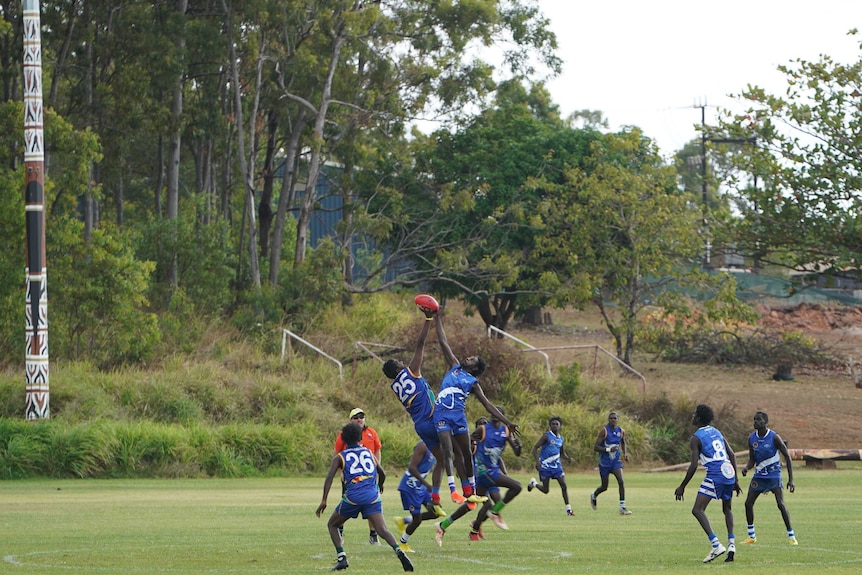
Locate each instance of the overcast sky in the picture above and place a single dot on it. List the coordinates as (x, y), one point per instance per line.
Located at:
(648, 62)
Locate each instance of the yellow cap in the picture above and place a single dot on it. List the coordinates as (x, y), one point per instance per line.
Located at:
(356, 411)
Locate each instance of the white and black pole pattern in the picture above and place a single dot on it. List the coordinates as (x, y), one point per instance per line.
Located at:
(36, 360)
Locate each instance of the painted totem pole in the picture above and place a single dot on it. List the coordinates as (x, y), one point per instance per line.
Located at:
(36, 361)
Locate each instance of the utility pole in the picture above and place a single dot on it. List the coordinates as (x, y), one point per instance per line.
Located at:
(707, 255)
(704, 196)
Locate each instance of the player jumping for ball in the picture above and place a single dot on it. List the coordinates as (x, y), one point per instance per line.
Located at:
(450, 416)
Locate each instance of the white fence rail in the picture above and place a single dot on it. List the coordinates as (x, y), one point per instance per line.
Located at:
(522, 342)
(596, 348)
(292, 335)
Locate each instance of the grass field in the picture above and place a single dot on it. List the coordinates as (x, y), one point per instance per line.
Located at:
(262, 526)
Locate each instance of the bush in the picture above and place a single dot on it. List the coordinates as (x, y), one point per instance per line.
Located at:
(234, 409)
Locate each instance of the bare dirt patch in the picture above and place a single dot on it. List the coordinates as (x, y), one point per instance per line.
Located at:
(818, 409)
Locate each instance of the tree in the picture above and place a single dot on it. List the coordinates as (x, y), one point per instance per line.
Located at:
(798, 191)
(617, 231)
(477, 177)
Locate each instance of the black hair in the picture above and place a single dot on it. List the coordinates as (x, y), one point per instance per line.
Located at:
(555, 418)
(391, 368)
(704, 414)
(480, 367)
(763, 413)
(351, 434)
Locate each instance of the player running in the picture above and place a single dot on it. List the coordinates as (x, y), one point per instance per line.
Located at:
(547, 452)
(489, 441)
(364, 478)
(611, 447)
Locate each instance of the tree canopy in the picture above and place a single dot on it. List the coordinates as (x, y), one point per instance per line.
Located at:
(798, 187)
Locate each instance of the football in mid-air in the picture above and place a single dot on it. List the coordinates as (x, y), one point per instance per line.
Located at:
(426, 303)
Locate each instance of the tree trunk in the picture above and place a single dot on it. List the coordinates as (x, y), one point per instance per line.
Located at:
(612, 328)
(497, 310)
(245, 169)
(175, 145)
(302, 228)
(533, 315)
(285, 198)
(264, 211)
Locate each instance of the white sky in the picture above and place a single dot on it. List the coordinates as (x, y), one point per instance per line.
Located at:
(648, 62)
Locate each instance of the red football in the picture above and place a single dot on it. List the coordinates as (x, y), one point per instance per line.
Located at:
(426, 302)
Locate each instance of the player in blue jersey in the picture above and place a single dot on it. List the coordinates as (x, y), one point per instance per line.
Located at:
(611, 447)
(709, 448)
(489, 440)
(450, 416)
(415, 494)
(764, 450)
(547, 452)
(364, 478)
(416, 396)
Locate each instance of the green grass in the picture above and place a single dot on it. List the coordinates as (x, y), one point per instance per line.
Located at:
(262, 526)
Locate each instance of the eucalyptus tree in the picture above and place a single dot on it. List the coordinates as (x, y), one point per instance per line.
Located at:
(617, 230)
(377, 66)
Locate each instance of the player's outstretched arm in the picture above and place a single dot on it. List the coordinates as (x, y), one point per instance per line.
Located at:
(451, 360)
(418, 354)
(492, 409)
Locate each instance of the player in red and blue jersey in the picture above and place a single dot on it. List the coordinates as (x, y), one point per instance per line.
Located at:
(364, 478)
(547, 452)
(611, 447)
(416, 396)
(710, 449)
(765, 448)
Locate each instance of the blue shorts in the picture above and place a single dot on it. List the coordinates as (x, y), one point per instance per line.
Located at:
(551, 473)
(722, 491)
(759, 485)
(455, 422)
(352, 510)
(488, 479)
(427, 432)
(412, 500)
(604, 471)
